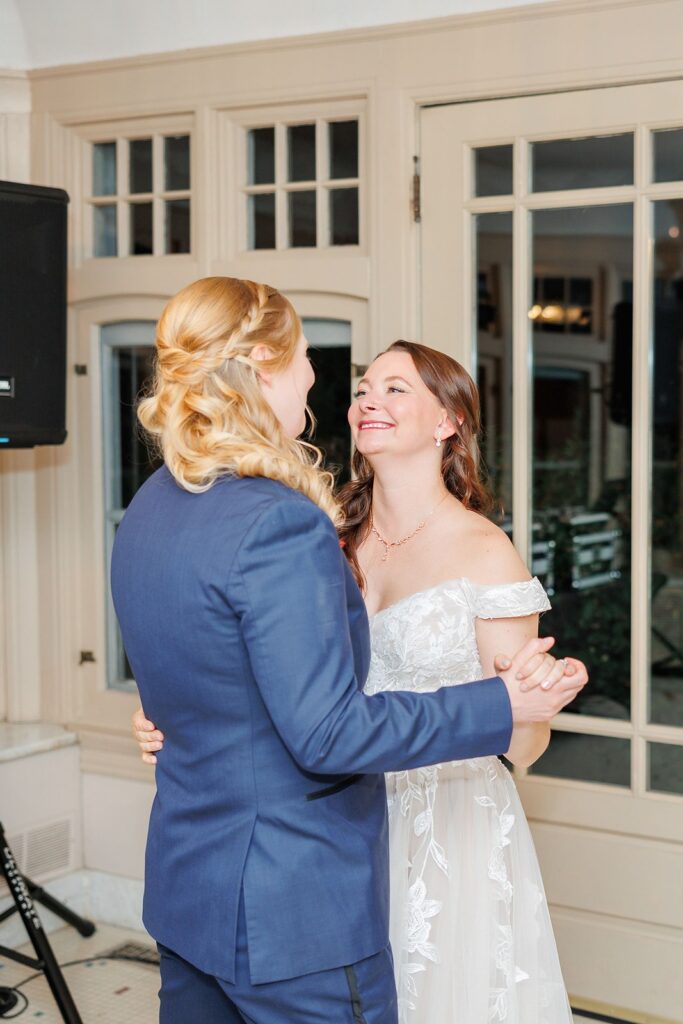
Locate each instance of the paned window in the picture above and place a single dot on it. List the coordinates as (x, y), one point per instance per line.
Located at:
(302, 184)
(139, 201)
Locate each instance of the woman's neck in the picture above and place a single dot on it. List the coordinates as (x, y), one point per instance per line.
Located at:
(402, 496)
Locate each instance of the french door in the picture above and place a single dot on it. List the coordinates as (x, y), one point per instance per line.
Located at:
(552, 268)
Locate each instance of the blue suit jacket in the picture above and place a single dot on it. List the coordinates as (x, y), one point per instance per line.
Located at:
(249, 641)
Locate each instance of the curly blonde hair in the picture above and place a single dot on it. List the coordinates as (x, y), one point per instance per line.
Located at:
(206, 411)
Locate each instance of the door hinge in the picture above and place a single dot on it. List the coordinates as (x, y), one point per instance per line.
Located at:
(416, 198)
(80, 369)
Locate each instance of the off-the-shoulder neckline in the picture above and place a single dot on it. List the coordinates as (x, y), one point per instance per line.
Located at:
(447, 583)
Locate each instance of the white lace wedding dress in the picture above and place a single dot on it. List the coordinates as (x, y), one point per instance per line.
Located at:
(470, 928)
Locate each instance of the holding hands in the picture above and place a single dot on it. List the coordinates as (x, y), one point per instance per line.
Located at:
(539, 686)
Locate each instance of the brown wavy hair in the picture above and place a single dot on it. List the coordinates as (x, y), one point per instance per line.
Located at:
(206, 411)
(452, 386)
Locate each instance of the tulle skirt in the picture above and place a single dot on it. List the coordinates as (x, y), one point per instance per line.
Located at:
(470, 928)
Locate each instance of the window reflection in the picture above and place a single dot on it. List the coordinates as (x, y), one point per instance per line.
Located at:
(666, 694)
(595, 162)
(581, 470)
(330, 355)
(494, 352)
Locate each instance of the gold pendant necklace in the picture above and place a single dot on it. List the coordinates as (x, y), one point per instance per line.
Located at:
(388, 544)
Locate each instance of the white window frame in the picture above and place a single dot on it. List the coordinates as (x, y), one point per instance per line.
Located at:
(237, 124)
(121, 133)
(142, 334)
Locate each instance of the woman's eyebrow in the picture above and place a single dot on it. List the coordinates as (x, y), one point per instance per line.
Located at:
(365, 380)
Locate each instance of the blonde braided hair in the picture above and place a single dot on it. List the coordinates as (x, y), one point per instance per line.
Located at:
(206, 409)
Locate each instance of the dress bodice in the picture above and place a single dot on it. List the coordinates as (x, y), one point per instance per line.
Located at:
(428, 640)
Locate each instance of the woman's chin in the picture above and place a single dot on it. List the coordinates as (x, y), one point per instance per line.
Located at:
(368, 445)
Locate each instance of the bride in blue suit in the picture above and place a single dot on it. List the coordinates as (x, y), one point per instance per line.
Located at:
(267, 876)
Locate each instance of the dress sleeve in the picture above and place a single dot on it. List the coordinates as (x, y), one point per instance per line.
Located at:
(509, 600)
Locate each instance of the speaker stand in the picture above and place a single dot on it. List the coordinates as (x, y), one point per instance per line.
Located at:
(23, 891)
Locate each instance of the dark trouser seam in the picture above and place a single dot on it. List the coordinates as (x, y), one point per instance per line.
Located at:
(356, 1006)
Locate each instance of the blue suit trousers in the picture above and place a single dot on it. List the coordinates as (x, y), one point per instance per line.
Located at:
(361, 993)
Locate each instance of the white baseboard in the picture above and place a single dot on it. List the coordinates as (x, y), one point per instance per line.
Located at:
(101, 897)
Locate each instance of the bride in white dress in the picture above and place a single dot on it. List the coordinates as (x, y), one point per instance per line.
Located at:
(446, 592)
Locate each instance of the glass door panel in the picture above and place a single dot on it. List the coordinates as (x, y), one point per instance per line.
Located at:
(666, 651)
(551, 266)
(493, 239)
(581, 322)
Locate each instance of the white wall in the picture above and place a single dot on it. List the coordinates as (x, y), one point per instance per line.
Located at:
(41, 33)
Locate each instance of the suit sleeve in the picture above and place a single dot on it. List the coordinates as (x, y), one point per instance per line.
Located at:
(288, 586)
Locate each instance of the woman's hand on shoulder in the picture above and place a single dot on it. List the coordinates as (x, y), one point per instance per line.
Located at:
(147, 736)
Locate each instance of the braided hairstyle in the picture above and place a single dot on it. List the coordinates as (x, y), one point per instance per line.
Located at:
(206, 410)
(455, 390)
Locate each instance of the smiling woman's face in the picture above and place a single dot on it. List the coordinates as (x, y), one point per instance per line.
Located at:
(393, 410)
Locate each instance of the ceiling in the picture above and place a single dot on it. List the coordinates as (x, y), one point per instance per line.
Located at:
(43, 33)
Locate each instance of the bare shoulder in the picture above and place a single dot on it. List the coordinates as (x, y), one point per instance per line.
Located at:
(488, 555)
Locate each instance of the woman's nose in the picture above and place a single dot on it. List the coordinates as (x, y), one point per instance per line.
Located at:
(367, 403)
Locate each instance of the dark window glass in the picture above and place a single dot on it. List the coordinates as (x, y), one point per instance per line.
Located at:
(668, 155)
(177, 225)
(604, 759)
(104, 230)
(141, 236)
(133, 368)
(493, 171)
(261, 212)
(302, 219)
(581, 468)
(301, 152)
(140, 159)
(261, 156)
(330, 355)
(104, 169)
(494, 356)
(344, 216)
(177, 162)
(666, 638)
(343, 141)
(665, 768)
(599, 161)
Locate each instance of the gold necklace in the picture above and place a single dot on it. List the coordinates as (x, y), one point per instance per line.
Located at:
(388, 544)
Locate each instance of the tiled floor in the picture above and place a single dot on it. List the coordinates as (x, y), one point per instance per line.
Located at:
(105, 991)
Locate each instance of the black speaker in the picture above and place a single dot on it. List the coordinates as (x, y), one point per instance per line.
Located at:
(32, 315)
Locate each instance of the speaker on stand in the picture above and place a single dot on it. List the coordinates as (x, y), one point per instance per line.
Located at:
(33, 412)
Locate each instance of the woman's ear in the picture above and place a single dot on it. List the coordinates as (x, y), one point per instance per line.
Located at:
(447, 427)
(261, 354)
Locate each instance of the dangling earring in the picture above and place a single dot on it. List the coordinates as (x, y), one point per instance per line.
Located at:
(438, 437)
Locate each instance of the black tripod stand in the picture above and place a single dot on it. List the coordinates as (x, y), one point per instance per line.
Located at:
(23, 892)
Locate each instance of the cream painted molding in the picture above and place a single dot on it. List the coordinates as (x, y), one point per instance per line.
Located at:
(15, 92)
(21, 625)
(556, 8)
(434, 79)
(118, 756)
